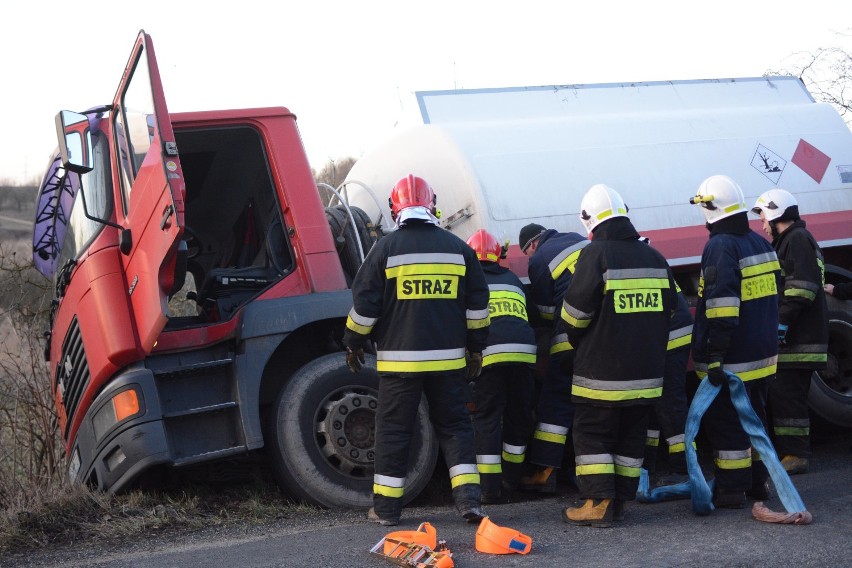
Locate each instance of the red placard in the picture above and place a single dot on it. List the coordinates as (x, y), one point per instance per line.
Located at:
(812, 161)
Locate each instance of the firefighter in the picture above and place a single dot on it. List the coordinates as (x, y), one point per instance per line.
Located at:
(504, 395)
(422, 296)
(736, 322)
(802, 325)
(617, 312)
(551, 265)
(670, 410)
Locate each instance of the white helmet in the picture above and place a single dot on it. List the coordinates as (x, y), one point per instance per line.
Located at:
(600, 203)
(776, 203)
(719, 197)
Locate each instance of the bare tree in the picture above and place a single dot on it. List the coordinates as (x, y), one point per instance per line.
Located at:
(333, 173)
(827, 73)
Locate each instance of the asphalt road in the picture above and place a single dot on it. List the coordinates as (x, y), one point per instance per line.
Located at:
(652, 535)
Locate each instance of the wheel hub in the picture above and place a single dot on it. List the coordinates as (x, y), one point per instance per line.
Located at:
(347, 431)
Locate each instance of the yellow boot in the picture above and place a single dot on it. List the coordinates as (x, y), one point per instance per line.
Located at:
(597, 515)
(543, 480)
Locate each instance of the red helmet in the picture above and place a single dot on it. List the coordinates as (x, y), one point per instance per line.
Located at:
(486, 246)
(411, 191)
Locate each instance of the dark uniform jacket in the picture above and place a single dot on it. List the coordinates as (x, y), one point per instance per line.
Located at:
(737, 313)
(421, 294)
(550, 270)
(618, 312)
(510, 337)
(802, 303)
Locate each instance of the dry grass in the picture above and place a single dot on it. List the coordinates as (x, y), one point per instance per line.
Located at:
(75, 514)
(37, 508)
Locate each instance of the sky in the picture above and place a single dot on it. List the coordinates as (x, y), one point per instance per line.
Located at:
(349, 69)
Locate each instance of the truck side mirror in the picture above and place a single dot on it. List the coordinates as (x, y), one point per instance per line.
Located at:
(75, 141)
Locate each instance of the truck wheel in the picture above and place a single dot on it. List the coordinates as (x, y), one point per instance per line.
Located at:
(830, 395)
(323, 436)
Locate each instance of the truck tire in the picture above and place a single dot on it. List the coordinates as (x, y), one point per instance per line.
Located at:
(830, 395)
(323, 436)
(347, 237)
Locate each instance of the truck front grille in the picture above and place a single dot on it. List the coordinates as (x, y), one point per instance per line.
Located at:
(72, 374)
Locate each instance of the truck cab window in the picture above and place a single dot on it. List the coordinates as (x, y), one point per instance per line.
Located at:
(134, 127)
(97, 187)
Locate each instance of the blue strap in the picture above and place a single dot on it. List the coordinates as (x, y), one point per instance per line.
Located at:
(700, 490)
(760, 441)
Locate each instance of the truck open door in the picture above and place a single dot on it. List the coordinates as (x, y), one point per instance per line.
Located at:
(152, 191)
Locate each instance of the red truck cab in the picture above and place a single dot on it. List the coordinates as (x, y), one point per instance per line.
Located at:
(201, 294)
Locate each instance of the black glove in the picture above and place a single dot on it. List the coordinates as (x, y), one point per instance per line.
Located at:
(715, 371)
(474, 365)
(354, 359)
(782, 334)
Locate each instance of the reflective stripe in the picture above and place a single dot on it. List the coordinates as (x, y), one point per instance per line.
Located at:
(616, 390)
(507, 291)
(632, 278)
(477, 319)
(802, 357)
(792, 426)
(652, 438)
(514, 454)
(566, 259)
(680, 337)
(574, 317)
(787, 431)
(360, 324)
(489, 463)
(551, 433)
(738, 459)
(677, 444)
(627, 467)
(560, 343)
(420, 361)
(799, 293)
(508, 353)
(426, 259)
(388, 486)
(546, 312)
(727, 307)
(747, 371)
(804, 353)
(759, 264)
(594, 464)
(463, 474)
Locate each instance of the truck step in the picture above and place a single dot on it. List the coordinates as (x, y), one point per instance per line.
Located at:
(208, 456)
(193, 369)
(201, 409)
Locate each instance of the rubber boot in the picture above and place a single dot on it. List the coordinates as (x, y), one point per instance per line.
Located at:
(794, 464)
(542, 480)
(468, 498)
(729, 499)
(372, 516)
(597, 515)
(618, 510)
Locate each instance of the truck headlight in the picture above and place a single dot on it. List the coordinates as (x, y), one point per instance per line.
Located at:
(124, 405)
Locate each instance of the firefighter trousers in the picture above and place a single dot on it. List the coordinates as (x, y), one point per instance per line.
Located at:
(736, 467)
(667, 421)
(788, 406)
(503, 419)
(609, 443)
(399, 399)
(554, 413)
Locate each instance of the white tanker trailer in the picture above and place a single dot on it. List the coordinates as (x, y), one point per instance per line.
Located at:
(501, 158)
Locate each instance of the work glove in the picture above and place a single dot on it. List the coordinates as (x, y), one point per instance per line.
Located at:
(715, 371)
(354, 359)
(474, 365)
(782, 334)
